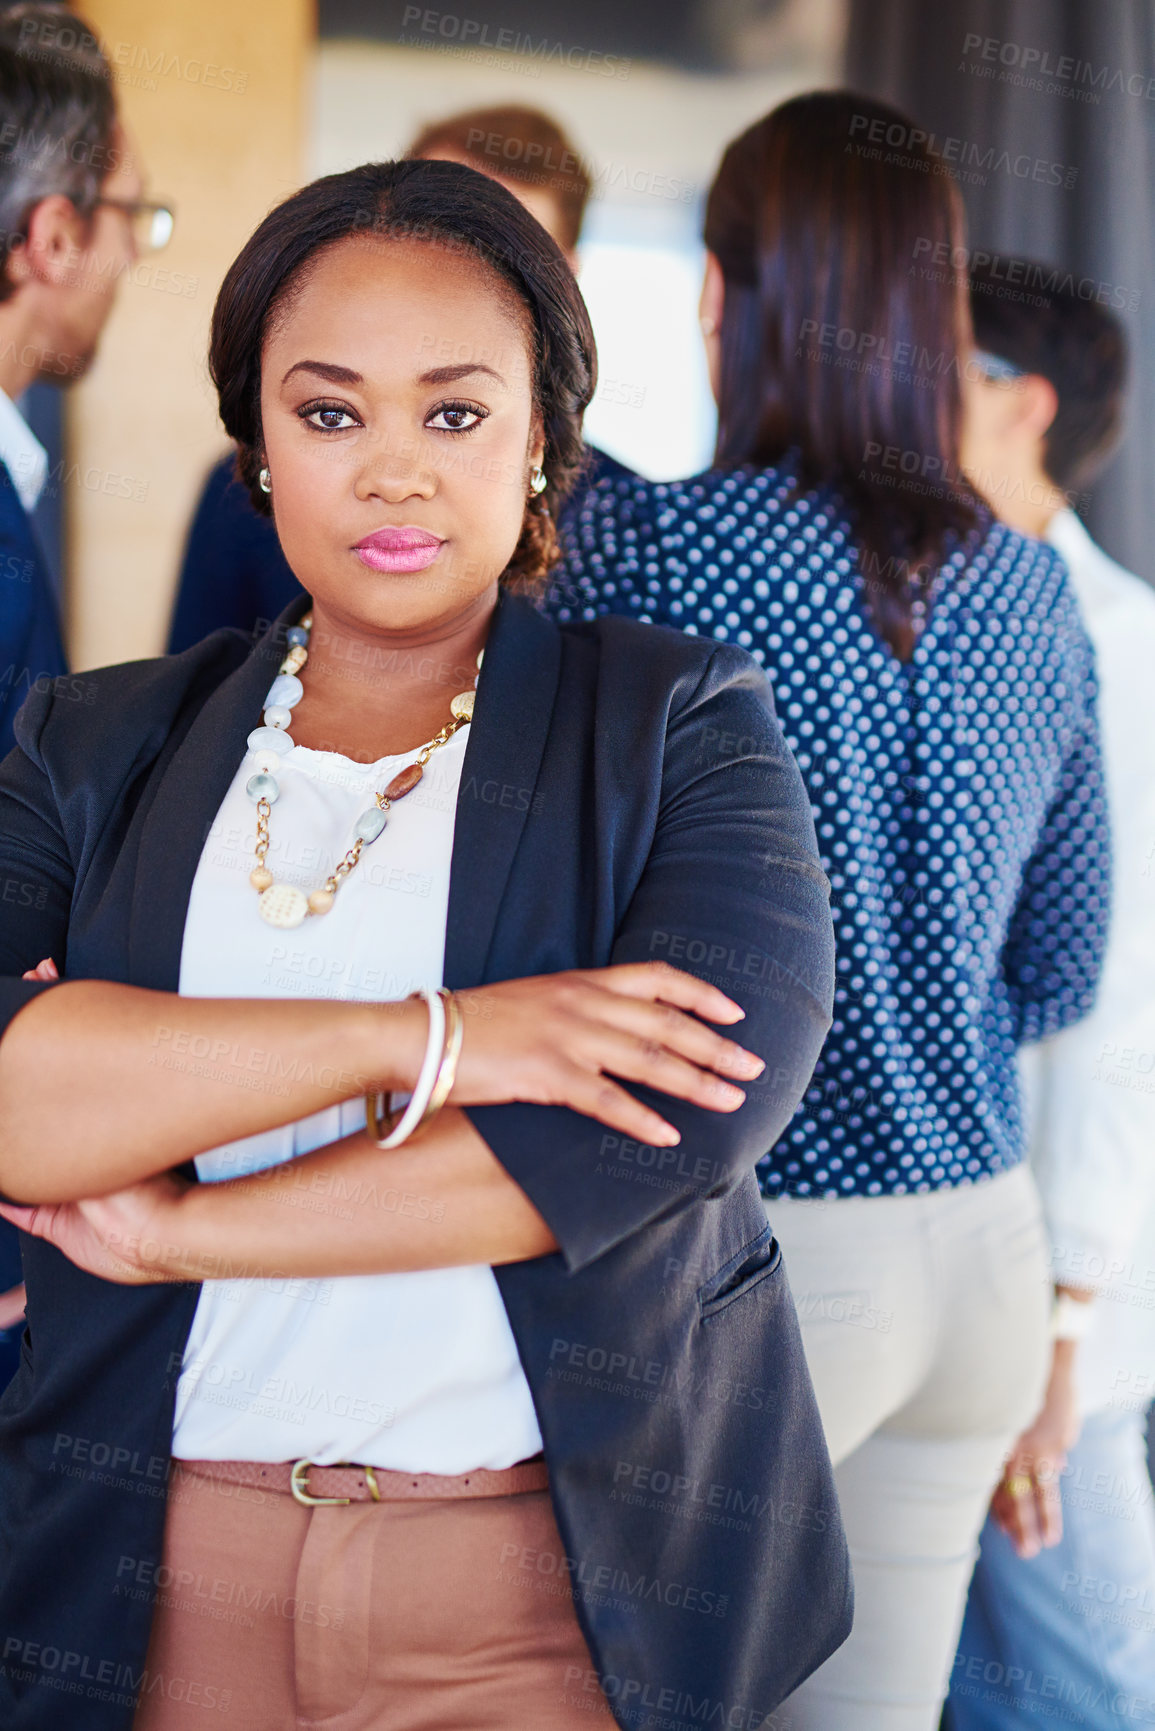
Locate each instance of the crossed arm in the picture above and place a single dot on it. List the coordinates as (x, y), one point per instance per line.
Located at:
(732, 876)
(71, 1060)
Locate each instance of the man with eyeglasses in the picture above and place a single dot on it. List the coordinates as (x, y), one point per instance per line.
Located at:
(72, 221)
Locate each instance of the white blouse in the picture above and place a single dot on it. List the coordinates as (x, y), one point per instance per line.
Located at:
(1091, 1089)
(417, 1372)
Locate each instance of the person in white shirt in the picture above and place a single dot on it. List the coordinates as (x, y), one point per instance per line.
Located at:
(423, 1358)
(1061, 1610)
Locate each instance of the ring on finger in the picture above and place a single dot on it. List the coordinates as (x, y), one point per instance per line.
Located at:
(1019, 1485)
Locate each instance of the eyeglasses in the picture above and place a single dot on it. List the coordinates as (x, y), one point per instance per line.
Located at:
(994, 368)
(152, 224)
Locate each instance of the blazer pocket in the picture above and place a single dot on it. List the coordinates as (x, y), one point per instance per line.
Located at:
(752, 1265)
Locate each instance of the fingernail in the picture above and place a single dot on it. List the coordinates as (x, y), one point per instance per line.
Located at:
(669, 1137)
(751, 1065)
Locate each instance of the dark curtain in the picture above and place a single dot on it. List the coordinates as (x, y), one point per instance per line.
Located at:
(1050, 105)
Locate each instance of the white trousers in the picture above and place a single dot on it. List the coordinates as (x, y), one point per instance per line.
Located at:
(925, 1323)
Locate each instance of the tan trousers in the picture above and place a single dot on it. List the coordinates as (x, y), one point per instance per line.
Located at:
(407, 1615)
(924, 1320)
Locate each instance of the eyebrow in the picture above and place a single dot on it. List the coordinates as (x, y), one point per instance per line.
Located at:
(346, 376)
(449, 375)
(326, 370)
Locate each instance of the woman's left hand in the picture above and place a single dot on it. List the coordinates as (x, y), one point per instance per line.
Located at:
(127, 1237)
(1027, 1504)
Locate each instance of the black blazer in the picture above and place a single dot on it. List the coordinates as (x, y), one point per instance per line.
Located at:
(626, 793)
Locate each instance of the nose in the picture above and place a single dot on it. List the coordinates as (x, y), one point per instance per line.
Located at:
(393, 469)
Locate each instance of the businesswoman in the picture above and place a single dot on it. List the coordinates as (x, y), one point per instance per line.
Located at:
(936, 685)
(356, 1356)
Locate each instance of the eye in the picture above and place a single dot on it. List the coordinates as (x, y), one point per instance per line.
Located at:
(327, 417)
(456, 417)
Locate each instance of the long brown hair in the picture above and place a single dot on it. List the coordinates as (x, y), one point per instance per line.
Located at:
(842, 335)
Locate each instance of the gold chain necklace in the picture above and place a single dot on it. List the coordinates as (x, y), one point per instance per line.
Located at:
(282, 904)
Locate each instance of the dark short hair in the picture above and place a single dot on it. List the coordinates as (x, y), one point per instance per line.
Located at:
(58, 111)
(1033, 315)
(519, 144)
(443, 204)
(833, 346)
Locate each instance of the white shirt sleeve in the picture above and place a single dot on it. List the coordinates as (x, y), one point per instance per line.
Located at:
(1091, 1089)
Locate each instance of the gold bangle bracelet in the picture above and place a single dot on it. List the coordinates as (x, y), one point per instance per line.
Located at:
(382, 1127)
(447, 1069)
(377, 1126)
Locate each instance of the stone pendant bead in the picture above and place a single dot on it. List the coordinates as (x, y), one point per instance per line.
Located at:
(370, 824)
(297, 637)
(284, 906)
(404, 781)
(321, 901)
(276, 715)
(461, 706)
(286, 691)
(262, 786)
(270, 739)
(261, 878)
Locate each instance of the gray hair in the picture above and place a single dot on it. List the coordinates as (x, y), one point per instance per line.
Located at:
(57, 115)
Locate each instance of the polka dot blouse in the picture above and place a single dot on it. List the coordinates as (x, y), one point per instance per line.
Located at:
(958, 800)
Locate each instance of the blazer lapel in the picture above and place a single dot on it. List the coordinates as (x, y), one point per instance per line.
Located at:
(515, 698)
(186, 802)
(503, 756)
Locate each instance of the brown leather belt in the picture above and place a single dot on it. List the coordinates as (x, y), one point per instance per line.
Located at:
(346, 1482)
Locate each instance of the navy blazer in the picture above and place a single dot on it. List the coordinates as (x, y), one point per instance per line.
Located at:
(233, 571)
(626, 794)
(30, 648)
(30, 651)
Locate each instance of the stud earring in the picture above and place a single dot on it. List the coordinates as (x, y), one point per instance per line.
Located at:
(537, 480)
(265, 481)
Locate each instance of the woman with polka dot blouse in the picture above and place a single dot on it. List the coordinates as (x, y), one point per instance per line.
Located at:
(936, 685)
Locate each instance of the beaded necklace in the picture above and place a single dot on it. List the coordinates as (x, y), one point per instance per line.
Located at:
(285, 905)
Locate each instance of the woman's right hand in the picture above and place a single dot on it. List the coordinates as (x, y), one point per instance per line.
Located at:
(560, 1039)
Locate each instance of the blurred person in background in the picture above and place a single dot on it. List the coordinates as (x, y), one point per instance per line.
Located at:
(1065, 1582)
(69, 194)
(233, 571)
(935, 681)
(526, 152)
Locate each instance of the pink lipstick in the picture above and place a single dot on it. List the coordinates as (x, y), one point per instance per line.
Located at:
(404, 549)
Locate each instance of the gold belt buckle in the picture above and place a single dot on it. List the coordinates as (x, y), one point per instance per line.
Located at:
(298, 1484)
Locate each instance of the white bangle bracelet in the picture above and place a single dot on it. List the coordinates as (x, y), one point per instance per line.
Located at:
(423, 1089)
(1071, 1318)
